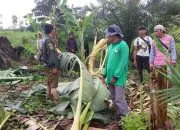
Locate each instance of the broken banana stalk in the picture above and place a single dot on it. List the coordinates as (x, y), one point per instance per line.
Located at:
(101, 45)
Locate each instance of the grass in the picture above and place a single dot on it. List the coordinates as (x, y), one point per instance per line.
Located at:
(18, 38)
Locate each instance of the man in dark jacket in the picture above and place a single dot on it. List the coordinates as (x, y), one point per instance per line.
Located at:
(71, 43)
(51, 61)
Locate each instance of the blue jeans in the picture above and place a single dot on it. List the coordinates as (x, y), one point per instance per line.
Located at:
(118, 98)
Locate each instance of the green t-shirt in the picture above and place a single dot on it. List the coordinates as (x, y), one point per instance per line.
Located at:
(116, 64)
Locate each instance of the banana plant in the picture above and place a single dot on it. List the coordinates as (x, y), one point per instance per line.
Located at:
(33, 24)
(90, 92)
(76, 25)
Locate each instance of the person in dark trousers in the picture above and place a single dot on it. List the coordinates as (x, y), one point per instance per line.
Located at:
(86, 48)
(142, 46)
(116, 68)
(71, 43)
(51, 61)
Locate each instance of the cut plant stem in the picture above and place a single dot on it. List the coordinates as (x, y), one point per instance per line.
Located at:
(141, 98)
(86, 126)
(84, 114)
(76, 123)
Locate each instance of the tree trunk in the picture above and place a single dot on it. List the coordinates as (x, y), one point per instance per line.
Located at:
(8, 54)
(158, 107)
(82, 48)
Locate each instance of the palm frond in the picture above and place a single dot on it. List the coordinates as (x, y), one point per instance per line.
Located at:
(170, 94)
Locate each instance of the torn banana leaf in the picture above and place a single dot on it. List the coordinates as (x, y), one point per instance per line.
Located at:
(4, 116)
(5, 79)
(96, 92)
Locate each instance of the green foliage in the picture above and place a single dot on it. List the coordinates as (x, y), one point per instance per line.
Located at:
(174, 114)
(43, 7)
(37, 103)
(135, 121)
(171, 94)
(178, 56)
(25, 39)
(76, 26)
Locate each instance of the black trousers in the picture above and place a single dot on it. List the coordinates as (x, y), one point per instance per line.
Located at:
(142, 63)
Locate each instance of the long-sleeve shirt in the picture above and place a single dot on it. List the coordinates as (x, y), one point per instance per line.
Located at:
(71, 45)
(157, 57)
(116, 64)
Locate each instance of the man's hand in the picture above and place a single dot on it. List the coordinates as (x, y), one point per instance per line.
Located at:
(72, 50)
(103, 80)
(173, 64)
(114, 80)
(58, 51)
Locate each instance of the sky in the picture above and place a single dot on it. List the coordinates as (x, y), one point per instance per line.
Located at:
(23, 7)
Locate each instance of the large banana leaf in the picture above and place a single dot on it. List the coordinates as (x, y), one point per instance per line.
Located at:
(102, 94)
(90, 90)
(86, 21)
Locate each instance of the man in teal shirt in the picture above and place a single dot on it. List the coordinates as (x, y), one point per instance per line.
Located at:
(116, 68)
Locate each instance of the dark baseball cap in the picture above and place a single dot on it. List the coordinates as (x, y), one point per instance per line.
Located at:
(142, 28)
(113, 30)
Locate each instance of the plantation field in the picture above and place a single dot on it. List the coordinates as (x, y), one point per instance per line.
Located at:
(40, 107)
(28, 40)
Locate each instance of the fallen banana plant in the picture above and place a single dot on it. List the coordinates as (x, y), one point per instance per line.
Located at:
(100, 46)
(87, 90)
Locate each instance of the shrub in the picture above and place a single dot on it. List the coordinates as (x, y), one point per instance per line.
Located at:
(135, 121)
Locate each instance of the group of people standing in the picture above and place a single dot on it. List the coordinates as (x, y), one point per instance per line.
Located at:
(149, 53)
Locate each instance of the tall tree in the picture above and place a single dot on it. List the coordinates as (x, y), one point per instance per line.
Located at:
(1, 22)
(127, 14)
(44, 7)
(14, 20)
(78, 26)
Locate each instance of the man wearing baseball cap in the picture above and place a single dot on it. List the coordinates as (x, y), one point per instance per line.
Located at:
(116, 68)
(142, 45)
(162, 51)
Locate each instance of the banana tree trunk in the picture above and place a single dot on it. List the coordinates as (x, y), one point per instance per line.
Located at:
(158, 106)
(82, 46)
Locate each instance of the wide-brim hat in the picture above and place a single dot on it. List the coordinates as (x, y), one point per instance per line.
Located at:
(113, 30)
